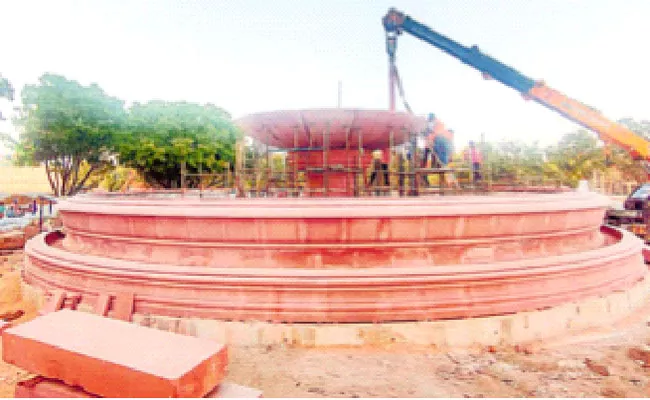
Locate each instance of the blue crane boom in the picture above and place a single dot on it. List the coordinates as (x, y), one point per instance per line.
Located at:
(396, 22)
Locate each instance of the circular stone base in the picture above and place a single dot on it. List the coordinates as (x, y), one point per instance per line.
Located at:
(509, 329)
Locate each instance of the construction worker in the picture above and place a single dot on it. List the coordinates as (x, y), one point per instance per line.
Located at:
(380, 163)
(401, 170)
(474, 156)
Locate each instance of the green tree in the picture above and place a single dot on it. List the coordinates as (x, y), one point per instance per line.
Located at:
(514, 160)
(23, 152)
(575, 157)
(7, 92)
(68, 126)
(6, 89)
(620, 160)
(162, 135)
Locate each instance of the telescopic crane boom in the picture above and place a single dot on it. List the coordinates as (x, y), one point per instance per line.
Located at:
(396, 22)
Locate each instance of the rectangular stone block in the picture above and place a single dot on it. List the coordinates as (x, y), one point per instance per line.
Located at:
(102, 304)
(113, 358)
(41, 387)
(123, 306)
(54, 302)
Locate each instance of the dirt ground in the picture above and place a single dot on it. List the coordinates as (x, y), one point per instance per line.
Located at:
(610, 362)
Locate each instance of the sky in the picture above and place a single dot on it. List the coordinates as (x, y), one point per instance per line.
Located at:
(249, 56)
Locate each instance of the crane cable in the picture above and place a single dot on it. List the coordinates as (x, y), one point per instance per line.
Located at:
(400, 88)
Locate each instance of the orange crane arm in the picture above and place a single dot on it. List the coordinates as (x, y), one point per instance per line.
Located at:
(396, 22)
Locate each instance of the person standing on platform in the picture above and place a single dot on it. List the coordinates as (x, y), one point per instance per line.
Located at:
(380, 168)
(474, 156)
(385, 162)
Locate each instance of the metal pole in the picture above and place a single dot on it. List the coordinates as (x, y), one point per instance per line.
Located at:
(269, 167)
(40, 216)
(325, 159)
(340, 99)
(391, 141)
(294, 161)
(347, 162)
(360, 158)
(391, 87)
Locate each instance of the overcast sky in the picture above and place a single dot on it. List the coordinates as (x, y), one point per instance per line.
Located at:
(249, 56)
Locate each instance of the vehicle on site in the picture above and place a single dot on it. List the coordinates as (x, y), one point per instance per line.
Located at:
(610, 132)
(632, 214)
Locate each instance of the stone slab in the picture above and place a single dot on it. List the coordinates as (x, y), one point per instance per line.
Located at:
(54, 302)
(123, 304)
(113, 358)
(41, 387)
(102, 304)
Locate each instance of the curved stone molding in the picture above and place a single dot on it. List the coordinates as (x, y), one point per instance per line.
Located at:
(333, 233)
(592, 314)
(343, 295)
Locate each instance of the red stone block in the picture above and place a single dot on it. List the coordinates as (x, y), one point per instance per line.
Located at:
(113, 358)
(229, 390)
(71, 301)
(103, 304)
(40, 387)
(123, 307)
(54, 302)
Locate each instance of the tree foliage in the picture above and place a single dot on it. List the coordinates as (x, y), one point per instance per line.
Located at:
(514, 160)
(160, 136)
(65, 125)
(620, 163)
(576, 157)
(6, 89)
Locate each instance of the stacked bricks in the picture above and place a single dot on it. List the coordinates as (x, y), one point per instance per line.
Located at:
(78, 354)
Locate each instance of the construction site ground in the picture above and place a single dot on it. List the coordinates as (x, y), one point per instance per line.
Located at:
(613, 361)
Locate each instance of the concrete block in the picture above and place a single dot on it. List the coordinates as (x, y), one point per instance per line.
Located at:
(338, 335)
(113, 358)
(212, 330)
(242, 333)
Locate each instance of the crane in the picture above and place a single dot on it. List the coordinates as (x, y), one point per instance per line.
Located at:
(396, 22)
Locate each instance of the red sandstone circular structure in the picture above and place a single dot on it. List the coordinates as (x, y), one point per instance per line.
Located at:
(342, 259)
(333, 147)
(337, 128)
(337, 260)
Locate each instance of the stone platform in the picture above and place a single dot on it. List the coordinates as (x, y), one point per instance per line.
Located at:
(511, 329)
(358, 260)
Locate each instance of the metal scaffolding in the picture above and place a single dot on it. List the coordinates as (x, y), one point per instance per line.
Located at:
(316, 170)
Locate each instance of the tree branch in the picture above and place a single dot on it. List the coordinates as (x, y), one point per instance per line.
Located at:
(48, 172)
(76, 188)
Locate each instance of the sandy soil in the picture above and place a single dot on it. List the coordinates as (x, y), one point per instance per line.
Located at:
(594, 368)
(610, 362)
